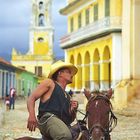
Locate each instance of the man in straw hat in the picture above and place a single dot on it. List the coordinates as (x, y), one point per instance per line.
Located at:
(56, 109)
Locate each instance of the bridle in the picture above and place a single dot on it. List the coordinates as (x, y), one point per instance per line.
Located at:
(112, 118)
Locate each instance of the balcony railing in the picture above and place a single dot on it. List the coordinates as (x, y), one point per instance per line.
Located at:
(30, 57)
(93, 29)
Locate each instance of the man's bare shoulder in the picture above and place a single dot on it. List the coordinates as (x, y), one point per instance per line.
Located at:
(48, 82)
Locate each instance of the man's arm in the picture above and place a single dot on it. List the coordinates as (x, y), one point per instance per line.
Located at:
(36, 94)
(32, 121)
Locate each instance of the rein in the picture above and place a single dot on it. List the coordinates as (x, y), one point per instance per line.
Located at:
(112, 121)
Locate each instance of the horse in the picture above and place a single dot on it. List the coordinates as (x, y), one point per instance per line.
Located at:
(99, 117)
(101, 120)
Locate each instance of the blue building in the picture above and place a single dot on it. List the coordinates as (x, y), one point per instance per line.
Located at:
(11, 76)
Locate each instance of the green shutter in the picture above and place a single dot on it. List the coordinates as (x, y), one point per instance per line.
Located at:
(79, 20)
(107, 8)
(87, 16)
(95, 12)
(71, 24)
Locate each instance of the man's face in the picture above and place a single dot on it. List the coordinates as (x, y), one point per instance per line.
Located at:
(67, 75)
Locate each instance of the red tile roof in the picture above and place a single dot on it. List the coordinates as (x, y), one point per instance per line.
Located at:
(4, 61)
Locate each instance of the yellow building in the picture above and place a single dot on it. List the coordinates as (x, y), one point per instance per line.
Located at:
(40, 54)
(102, 41)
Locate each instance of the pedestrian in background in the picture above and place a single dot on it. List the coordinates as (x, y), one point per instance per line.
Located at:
(71, 93)
(12, 98)
(7, 102)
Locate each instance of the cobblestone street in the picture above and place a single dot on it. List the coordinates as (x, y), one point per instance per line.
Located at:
(14, 122)
(128, 127)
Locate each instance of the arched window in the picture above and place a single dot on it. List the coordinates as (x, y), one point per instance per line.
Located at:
(41, 20)
(40, 39)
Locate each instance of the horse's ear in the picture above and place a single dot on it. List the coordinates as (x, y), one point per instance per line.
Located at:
(109, 93)
(87, 93)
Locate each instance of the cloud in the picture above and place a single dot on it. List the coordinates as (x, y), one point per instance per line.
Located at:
(15, 13)
(13, 37)
(15, 18)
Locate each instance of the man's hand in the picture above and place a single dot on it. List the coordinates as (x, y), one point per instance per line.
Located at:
(32, 123)
(73, 109)
(74, 105)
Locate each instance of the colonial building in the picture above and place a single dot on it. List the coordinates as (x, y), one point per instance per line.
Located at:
(40, 54)
(102, 41)
(20, 79)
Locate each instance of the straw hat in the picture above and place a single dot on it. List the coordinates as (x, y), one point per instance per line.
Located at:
(59, 65)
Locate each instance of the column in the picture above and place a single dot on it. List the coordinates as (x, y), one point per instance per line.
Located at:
(83, 76)
(126, 37)
(101, 75)
(123, 89)
(104, 72)
(96, 75)
(4, 83)
(76, 79)
(0, 83)
(116, 59)
(136, 39)
(91, 77)
(12, 79)
(31, 43)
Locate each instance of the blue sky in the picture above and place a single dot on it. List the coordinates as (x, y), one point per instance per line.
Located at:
(15, 22)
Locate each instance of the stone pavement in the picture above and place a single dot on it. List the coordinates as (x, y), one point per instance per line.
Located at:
(128, 127)
(14, 121)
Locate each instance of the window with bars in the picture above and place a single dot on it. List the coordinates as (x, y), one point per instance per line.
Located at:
(38, 70)
(41, 20)
(87, 16)
(95, 12)
(71, 24)
(107, 8)
(40, 39)
(79, 20)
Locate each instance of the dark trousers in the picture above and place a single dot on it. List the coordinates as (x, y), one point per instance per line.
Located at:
(12, 103)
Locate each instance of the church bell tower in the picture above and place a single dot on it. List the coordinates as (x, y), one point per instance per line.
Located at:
(41, 30)
(39, 57)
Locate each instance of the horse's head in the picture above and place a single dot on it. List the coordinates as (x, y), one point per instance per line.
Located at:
(98, 109)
